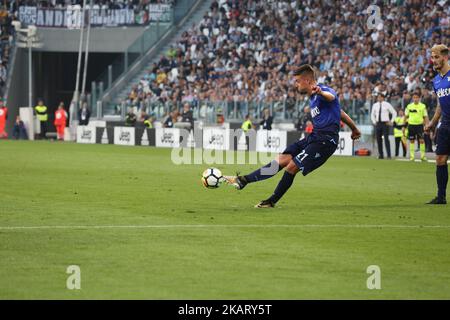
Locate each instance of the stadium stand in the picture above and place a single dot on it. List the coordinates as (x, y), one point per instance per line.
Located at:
(238, 57)
(6, 41)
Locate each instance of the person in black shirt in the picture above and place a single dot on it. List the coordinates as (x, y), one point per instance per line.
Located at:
(169, 120)
(19, 131)
(266, 123)
(304, 118)
(290, 103)
(130, 119)
(186, 115)
(83, 115)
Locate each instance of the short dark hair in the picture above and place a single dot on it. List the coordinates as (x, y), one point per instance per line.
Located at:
(416, 93)
(305, 69)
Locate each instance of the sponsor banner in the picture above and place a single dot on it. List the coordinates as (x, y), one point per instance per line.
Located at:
(271, 141)
(86, 134)
(345, 144)
(72, 16)
(144, 138)
(216, 138)
(167, 137)
(124, 136)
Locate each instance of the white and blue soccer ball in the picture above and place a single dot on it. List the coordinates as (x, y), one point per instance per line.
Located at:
(212, 178)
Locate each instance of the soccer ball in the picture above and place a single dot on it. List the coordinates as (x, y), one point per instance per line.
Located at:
(211, 178)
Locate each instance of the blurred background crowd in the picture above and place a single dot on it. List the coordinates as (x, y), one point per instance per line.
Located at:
(242, 53)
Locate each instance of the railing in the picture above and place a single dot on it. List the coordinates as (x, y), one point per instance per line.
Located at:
(235, 111)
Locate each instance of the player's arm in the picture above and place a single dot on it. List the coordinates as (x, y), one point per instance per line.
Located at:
(356, 134)
(434, 121)
(427, 120)
(327, 96)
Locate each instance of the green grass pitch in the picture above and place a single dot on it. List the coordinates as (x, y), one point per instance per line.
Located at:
(317, 244)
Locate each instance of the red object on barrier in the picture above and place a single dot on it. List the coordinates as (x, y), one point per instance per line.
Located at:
(362, 152)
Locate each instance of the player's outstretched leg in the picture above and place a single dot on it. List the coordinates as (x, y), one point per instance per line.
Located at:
(263, 173)
(283, 186)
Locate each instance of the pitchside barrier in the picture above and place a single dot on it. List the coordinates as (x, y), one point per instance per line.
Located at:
(215, 138)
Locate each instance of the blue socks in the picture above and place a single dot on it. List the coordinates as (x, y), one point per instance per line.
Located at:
(283, 186)
(266, 172)
(442, 179)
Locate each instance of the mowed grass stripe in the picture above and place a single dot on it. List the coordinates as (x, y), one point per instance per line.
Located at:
(344, 226)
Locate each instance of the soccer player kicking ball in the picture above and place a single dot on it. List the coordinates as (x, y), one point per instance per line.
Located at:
(310, 153)
(441, 85)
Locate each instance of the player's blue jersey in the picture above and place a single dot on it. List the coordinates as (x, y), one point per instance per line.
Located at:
(441, 87)
(326, 116)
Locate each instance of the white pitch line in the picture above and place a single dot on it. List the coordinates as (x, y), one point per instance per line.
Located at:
(205, 226)
(417, 160)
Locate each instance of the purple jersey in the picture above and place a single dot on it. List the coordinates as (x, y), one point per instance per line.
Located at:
(441, 85)
(326, 116)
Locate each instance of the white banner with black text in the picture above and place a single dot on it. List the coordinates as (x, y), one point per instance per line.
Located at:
(271, 141)
(124, 136)
(86, 134)
(167, 137)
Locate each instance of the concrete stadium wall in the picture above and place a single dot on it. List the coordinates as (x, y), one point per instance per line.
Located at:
(102, 39)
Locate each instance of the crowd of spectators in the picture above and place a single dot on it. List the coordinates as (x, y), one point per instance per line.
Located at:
(6, 34)
(242, 52)
(9, 9)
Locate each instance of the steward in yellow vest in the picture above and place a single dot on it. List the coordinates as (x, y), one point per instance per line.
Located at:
(399, 133)
(247, 124)
(42, 114)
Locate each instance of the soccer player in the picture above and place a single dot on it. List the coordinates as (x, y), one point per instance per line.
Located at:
(441, 85)
(310, 153)
(416, 116)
